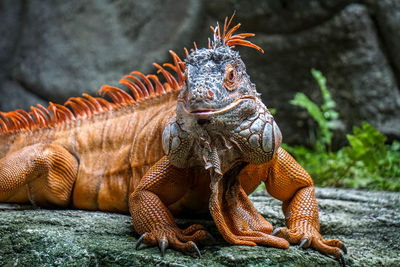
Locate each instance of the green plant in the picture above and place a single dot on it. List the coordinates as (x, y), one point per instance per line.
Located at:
(367, 162)
(325, 116)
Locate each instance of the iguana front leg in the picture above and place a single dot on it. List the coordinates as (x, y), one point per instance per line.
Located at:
(237, 219)
(161, 186)
(290, 183)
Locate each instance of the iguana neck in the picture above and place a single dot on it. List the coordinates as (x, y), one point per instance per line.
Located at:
(219, 146)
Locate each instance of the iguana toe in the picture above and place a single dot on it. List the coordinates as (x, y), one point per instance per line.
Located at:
(342, 260)
(197, 249)
(276, 231)
(304, 242)
(344, 248)
(139, 241)
(175, 238)
(163, 245)
(309, 237)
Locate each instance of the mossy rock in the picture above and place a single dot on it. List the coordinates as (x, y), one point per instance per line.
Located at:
(368, 223)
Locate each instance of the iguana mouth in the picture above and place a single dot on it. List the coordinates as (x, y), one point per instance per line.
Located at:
(206, 113)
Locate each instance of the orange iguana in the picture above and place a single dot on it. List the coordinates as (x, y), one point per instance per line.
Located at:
(199, 143)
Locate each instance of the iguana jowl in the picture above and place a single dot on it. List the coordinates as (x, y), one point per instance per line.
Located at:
(200, 143)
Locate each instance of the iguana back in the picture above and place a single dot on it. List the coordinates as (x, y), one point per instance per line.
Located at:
(114, 143)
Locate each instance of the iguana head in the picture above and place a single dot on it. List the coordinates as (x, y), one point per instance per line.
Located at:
(216, 86)
(219, 112)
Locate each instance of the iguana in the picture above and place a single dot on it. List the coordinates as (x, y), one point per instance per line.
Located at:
(198, 143)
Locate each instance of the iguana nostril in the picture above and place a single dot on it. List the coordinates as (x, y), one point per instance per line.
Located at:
(210, 94)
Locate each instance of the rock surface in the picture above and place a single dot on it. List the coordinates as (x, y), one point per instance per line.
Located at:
(52, 50)
(368, 223)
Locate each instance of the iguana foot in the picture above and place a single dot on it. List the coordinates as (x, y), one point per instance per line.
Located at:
(310, 237)
(253, 238)
(171, 236)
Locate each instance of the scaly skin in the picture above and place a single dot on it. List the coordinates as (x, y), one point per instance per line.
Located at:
(158, 154)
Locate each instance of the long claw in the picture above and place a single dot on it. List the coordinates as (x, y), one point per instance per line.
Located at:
(303, 242)
(139, 241)
(276, 231)
(197, 249)
(342, 260)
(162, 247)
(344, 248)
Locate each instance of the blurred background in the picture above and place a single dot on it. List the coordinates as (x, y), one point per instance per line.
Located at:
(53, 49)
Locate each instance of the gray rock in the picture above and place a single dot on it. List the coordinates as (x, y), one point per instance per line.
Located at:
(70, 47)
(18, 97)
(11, 18)
(367, 222)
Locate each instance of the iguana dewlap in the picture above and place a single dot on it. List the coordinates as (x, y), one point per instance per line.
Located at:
(196, 144)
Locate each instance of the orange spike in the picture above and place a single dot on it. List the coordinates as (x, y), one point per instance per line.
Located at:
(232, 31)
(195, 45)
(167, 87)
(46, 112)
(105, 103)
(226, 26)
(36, 116)
(93, 100)
(119, 96)
(178, 70)
(53, 109)
(137, 93)
(150, 87)
(183, 66)
(124, 96)
(213, 29)
(27, 118)
(186, 51)
(245, 43)
(83, 104)
(58, 115)
(181, 77)
(90, 106)
(169, 65)
(76, 108)
(6, 121)
(3, 126)
(245, 35)
(22, 121)
(108, 90)
(11, 122)
(40, 118)
(159, 87)
(168, 76)
(176, 58)
(139, 82)
(68, 114)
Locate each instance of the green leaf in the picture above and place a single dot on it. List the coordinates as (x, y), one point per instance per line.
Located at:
(367, 162)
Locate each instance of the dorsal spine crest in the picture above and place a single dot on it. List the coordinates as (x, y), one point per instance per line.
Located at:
(142, 87)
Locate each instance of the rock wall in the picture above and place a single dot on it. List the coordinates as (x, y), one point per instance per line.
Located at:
(367, 222)
(53, 49)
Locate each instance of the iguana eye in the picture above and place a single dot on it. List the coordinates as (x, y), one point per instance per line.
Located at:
(230, 78)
